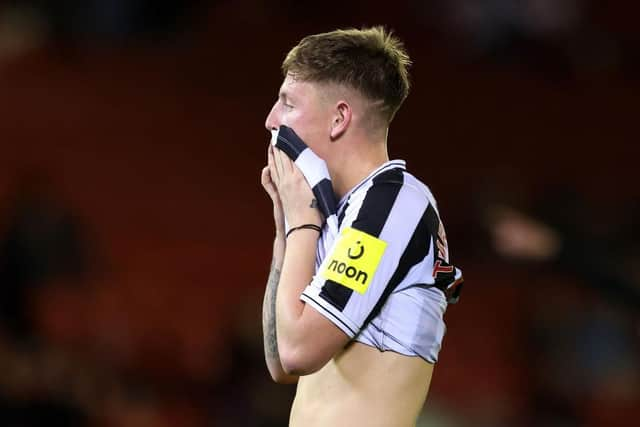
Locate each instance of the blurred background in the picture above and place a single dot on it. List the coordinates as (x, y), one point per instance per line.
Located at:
(135, 237)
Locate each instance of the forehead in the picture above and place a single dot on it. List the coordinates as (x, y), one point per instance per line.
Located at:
(292, 88)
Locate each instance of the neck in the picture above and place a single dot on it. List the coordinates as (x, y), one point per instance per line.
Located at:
(351, 168)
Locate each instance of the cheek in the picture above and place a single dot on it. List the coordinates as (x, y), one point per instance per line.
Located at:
(308, 128)
(298, 123)
(292, 117)
(306, 132)
(314, 138)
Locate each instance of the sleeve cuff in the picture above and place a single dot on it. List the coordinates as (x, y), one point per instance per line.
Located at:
(330, 312)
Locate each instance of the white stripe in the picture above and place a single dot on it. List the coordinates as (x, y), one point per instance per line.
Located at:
(313, 167)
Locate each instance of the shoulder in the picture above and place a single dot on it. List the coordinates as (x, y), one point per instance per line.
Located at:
(394, 188)
(392, 200)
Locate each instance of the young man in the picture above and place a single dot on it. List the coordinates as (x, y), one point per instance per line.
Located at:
(360, 325)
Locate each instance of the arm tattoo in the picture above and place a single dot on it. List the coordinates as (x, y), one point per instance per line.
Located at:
(314, 203)
(269, 315)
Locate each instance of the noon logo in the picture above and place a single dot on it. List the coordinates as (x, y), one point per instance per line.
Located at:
(359, 251)
(354, 260)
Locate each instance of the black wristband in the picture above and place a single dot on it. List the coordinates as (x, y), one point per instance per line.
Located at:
(300, 227)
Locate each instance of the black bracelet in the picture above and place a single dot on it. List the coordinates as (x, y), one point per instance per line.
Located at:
(300, 227)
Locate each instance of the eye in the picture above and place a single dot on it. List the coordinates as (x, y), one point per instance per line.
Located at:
(287, 106)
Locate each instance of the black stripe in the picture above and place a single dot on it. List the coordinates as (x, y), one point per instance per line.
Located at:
(442, 280)
(330, 313)
(383, 168)
(289, 142)
(419, 245)
(343, 212)
(323, 191)
(372, 215)
(379, 201)
(433, 225)
(335, 294)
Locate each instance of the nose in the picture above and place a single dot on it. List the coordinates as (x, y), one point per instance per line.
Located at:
(272, 121)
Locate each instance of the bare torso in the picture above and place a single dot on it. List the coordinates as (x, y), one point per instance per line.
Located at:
(363, 387)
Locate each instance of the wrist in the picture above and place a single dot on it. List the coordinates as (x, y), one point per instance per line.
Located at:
(296, 220)
(312, 227)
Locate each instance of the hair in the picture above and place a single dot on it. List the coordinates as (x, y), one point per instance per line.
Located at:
(370, 60)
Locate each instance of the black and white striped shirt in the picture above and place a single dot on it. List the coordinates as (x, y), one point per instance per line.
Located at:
(386, 279)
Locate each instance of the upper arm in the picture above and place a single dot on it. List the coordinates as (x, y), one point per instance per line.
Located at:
(323, 339)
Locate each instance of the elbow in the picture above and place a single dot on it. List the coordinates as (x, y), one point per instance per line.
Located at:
(279, 376)
(298, 361)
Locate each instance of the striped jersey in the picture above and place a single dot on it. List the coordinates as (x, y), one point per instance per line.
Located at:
(386, 279)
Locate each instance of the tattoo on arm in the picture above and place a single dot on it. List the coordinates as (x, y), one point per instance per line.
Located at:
(314, 204)
(269, 315)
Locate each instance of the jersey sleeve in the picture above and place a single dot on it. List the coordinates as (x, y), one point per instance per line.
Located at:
(384, 236)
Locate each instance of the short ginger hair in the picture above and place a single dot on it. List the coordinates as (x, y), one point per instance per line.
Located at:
(370, 60)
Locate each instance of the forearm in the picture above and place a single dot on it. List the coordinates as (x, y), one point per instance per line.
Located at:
(270, 337)
(297, 351)
(297, 272)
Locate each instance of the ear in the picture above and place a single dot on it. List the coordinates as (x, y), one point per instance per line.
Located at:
(341, 119)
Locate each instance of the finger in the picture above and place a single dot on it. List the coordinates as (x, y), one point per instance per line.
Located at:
(265, 177)
(284, 162)
(271, 162)
(287, 164)
(268, 185)
(277, 156)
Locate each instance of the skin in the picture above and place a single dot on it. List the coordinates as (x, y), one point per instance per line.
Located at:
(339, 381)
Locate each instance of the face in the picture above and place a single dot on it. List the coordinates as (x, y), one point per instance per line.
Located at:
(301, 107)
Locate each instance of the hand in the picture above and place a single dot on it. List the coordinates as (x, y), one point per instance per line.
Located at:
(270, 188)
(298, 201)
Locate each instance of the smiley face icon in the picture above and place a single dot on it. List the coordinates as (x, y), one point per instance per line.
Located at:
(358, 251)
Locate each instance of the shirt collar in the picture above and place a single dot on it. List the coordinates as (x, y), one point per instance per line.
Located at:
(391, 164)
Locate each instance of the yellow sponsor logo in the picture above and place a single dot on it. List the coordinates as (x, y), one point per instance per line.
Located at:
(354, 260)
